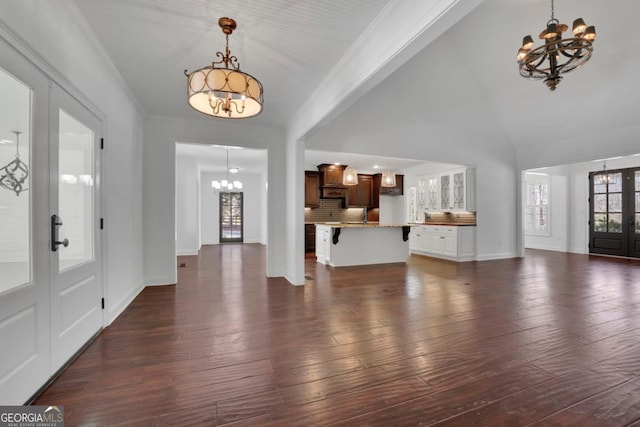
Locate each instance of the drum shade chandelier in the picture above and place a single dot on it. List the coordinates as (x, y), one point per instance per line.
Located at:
(221, 89)
(557, 55)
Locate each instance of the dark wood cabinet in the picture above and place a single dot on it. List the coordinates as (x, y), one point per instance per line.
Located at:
(331, 175)
(360, 196)
(333, 193)
(309, 238)
(311, 189)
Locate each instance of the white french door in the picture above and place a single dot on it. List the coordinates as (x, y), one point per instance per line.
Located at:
(76, 285)
(49, 165)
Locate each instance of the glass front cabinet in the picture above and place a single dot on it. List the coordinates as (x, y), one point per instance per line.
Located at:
(455, 191)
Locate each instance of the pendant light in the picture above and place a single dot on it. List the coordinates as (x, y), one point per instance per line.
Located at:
(350, 176)
(14, 174)
(221, 89)
(388, 178)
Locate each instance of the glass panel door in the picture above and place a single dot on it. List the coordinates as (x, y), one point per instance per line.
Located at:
(634, 218)
(15, 200)
(76, 276)
(445, 192)
(25, 354)
(231, 226)
(609, 207)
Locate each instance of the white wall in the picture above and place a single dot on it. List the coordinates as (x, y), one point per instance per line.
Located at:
(62, 44)
(398, 119)
(187, 203)
(159, 177)
(393, 209)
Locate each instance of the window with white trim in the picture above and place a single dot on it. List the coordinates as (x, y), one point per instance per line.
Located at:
(536, 211)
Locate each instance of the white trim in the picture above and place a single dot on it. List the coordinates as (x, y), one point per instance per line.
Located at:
(123, 304)
(159, 281)
(187, 252)
(491, 257)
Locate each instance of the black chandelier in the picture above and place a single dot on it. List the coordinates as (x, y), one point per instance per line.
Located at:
(557, 55)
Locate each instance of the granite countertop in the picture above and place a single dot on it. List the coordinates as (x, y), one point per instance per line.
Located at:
(455, 224)
(359, 225)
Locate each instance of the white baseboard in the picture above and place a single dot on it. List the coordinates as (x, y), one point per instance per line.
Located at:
(188, 252)
(489, 257)
(159, 281)
(117, 309)
(578, 251)
(292, 282)
(545, 248)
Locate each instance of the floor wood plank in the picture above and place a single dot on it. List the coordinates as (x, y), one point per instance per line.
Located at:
(552, 339)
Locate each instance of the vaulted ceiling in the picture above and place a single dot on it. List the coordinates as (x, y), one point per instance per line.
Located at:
(291, 46)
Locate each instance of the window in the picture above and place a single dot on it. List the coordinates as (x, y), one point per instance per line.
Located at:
(536, 221)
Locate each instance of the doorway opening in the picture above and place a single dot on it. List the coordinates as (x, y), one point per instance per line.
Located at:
(231, 217)
(614, 212)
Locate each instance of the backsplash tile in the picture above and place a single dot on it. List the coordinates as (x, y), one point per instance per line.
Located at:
(332, 210)
(452, 217)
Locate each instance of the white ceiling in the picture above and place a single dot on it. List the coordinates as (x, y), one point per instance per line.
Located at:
(292, 45)
(213, 158)
(288, 45)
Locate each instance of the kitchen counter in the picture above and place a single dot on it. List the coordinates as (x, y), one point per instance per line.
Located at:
(454, 224)
(347, 244)
(360, 224)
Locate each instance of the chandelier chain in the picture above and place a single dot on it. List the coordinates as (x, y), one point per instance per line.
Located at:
(553, 12)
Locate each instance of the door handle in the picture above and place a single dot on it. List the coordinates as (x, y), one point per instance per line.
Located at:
(56, 222)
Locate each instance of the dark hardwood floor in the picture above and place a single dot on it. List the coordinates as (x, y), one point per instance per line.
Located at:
(551, 339)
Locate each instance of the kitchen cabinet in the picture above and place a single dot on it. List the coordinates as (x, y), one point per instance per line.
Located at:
(309, 238)
(360, 196)
(323, 244)
(333, 193)
(331, 175)
(311, 189)
(456, 243)
(457, 190)
(432, 199)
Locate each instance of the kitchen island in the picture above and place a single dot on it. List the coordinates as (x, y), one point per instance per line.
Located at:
(346, 244)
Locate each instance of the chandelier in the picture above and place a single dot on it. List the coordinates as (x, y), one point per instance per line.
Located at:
(221, 89)
(557, 55)
(226, 185)
(14, 174)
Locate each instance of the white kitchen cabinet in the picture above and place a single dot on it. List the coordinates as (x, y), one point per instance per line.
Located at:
(457, 190)
(432, 203)
(323, 240)
(456, 243)
(419, 239)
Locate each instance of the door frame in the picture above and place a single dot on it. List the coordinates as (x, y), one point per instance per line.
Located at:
(626, 236)
(231, 240)
(27, 65)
